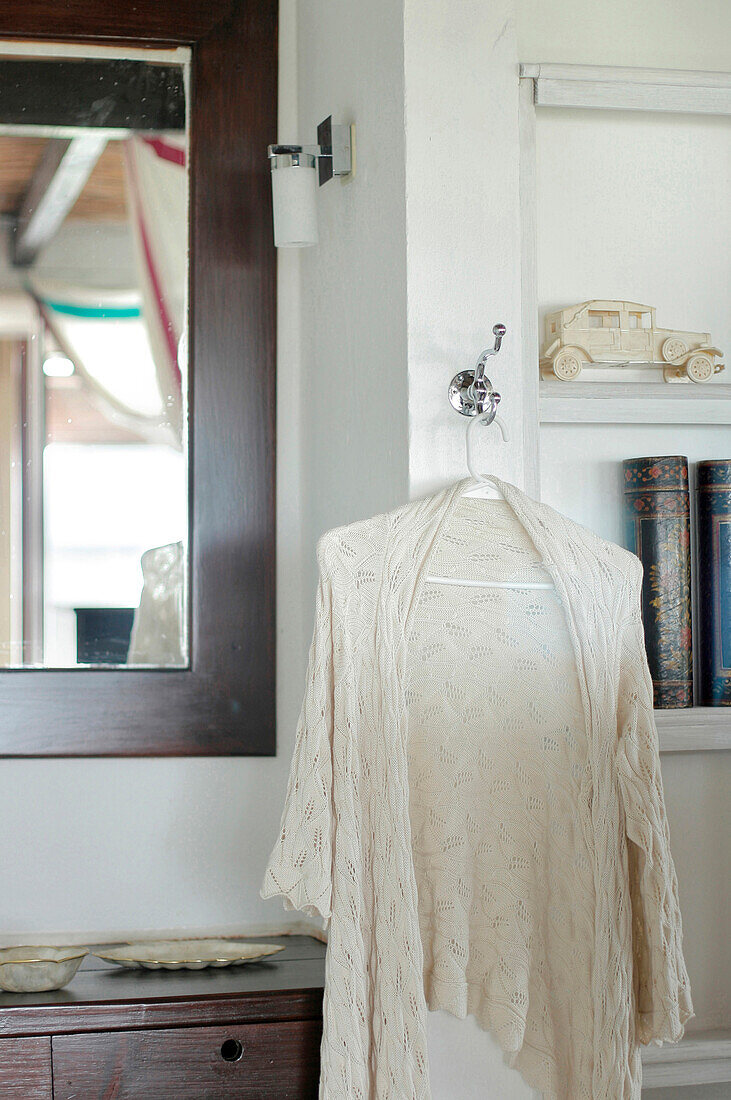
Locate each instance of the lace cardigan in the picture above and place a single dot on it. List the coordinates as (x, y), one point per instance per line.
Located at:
(344, 848)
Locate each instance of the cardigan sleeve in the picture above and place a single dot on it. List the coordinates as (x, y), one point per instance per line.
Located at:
(660, 979)
(300, 865)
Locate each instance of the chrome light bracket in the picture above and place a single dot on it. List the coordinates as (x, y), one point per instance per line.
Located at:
(333, 153)
(336, 155)
(293, 156)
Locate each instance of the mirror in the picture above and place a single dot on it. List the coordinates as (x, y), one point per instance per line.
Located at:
(93, 359)
(220, 702)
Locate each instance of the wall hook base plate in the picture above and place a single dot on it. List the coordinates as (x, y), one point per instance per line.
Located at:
(472, 397)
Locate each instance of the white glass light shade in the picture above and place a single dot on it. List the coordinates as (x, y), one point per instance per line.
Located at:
(294, 191)
(57, 365)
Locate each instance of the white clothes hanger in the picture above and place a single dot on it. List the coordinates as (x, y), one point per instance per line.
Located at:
(485, 487)
(485, 401)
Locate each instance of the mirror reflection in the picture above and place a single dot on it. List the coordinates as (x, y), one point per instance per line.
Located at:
(93, 361)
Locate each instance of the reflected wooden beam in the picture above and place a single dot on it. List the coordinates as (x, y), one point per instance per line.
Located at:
(57, 182)
(113, 94)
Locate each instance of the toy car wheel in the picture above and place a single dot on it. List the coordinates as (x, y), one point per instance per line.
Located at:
(567, 364)
(673, 349)
(699, 368)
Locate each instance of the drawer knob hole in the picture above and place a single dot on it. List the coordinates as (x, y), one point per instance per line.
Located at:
(232, 1050)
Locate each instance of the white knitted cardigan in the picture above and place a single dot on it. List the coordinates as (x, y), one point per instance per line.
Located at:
(344, 849)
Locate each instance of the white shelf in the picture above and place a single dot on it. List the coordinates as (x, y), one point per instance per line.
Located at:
(623, 89)
(700, 1059)
(639, 403)
(696, 729)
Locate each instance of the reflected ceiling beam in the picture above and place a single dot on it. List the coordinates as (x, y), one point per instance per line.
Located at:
(56, 184)
(115, 94)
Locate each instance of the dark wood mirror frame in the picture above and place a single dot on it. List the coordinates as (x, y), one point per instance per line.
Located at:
(224, 703)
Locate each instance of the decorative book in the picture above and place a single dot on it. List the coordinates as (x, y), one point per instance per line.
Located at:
(657, 515)
(714, 582)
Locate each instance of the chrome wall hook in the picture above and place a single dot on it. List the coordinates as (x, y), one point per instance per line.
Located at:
(471, 392)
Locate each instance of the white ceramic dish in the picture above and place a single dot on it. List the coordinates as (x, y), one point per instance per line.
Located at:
(34, 969)
(187, 954)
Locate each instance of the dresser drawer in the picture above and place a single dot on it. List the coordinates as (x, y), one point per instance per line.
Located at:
(25, 1069)
(248, 1062)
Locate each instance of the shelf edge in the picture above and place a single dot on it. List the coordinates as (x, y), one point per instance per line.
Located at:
(700, 1059)
(633, 403)
(697, 729)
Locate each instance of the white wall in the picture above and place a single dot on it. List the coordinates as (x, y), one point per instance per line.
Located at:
(353, 334)
(692, 1092)
(616, 220)
(463, 229)
(94, 848)
(699, 814)
(657, 34)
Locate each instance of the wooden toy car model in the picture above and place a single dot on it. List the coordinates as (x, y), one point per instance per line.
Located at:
(601, 333)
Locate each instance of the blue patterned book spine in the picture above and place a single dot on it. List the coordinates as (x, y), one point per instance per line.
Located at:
(714, 582)
(657, 522)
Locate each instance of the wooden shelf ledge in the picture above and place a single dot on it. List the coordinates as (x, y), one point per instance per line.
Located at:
(638, 403)
(703, 1058)
(629, 89)
(697, 729)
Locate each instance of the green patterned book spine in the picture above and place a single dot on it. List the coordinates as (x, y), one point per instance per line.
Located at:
(657, 517)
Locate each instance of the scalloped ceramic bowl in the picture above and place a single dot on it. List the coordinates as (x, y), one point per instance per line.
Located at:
(33, 969)
(187, 954)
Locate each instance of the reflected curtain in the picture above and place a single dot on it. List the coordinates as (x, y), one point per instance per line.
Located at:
(157, 190)
(104, 334)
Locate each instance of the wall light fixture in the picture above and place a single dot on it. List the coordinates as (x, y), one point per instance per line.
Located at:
(295, 170)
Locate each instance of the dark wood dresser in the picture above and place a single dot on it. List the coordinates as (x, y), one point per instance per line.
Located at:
(249, 1032)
